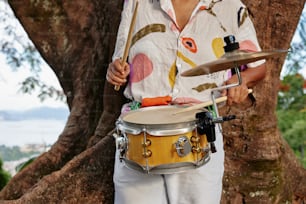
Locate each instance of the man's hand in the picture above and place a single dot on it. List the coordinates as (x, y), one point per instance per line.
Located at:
(250, 77)
(237, 94)
(117, 73)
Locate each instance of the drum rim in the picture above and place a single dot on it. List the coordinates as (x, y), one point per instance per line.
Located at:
(167, 168)
(156, 129)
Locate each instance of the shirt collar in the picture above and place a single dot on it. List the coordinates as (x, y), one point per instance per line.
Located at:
(206, 3)
(166, 4)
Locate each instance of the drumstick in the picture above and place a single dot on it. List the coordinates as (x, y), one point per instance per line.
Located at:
(205, 104)
(128, 42)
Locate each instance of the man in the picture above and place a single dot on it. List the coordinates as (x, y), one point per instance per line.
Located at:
(170, 37)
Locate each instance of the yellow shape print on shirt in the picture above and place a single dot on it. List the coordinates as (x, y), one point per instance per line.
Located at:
(173, 71)
(186, 59)
(172, 75)
(217, 45)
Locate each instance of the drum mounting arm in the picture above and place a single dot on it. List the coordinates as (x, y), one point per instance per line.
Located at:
(206, 125)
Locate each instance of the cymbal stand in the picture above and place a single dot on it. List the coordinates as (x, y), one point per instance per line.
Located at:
(223, 88)
(217, 120)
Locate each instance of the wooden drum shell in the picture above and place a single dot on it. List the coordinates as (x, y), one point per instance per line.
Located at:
(152, 143)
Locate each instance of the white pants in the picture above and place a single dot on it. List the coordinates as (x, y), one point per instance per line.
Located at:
(197, 186)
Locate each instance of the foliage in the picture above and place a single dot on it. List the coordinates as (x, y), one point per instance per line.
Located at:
(30, 84)
(292, 124)
(291, 95)
(294, 62)
(4, 176)
(291, 108)
(21, 53)
(21, 166)
(14, 153)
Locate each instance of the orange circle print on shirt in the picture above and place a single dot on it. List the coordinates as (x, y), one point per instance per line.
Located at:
(190, 44)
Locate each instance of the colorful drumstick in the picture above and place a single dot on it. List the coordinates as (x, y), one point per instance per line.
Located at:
(128, 42)
(205, 104)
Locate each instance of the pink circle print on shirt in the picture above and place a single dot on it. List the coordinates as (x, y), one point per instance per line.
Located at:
(141, 67)
(248, 45)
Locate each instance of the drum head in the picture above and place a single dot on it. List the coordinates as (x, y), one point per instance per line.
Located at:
(159, 115)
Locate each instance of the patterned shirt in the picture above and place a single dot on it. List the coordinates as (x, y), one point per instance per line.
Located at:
(161, 51)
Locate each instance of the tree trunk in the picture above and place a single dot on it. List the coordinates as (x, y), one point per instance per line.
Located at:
(77, 38)
(260, 166)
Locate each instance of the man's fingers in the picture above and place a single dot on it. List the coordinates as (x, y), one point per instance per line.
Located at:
(114, 74)
(115, 79)
(236, 95)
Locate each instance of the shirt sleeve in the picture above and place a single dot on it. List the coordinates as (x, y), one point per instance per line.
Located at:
(122, 34)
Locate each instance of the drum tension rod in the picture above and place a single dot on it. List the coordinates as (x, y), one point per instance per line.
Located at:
(147, 143)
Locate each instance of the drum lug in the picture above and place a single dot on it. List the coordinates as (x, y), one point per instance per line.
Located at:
(199, 150)
(183, 147)
(147, 154)
(206, 125)
(147, 143)
(196, 149)
(195, 139)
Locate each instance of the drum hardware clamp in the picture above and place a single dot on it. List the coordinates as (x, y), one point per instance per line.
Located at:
(206, 125)
(121, 143)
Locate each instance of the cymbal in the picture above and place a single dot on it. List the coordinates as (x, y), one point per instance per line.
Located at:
(230, 60)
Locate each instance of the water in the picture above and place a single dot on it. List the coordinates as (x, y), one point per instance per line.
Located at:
(20, 133)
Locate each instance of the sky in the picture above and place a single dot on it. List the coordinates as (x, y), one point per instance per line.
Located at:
(10, 96)
(11, 99)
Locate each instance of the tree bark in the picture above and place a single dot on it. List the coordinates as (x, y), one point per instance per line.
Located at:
(77, 38)
(259, 163)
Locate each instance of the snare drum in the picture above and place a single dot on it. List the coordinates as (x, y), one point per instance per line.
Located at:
(156, 140)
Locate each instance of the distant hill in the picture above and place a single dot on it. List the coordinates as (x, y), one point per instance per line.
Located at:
(43, 113)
